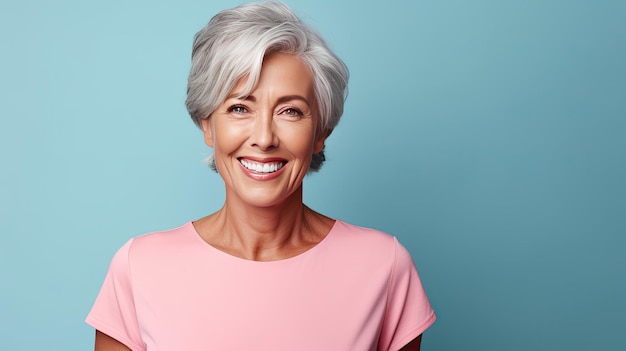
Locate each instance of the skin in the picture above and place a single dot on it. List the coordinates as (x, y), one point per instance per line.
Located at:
(107, 343)
(414, 345)
(263, 217)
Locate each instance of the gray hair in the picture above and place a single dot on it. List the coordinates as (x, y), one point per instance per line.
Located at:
(233, 45)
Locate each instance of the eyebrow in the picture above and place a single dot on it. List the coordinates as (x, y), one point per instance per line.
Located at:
(281, 100)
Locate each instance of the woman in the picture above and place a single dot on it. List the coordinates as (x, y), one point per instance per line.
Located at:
(264, 272)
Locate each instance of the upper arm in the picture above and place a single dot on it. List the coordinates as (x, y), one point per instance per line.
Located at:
(414, 345)
(408, 312)
(113, 314)
(107, 343)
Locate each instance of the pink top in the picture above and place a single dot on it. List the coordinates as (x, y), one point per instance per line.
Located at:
(356, 290)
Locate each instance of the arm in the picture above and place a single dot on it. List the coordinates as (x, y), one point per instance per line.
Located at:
(414, 345)
(113, 314)
(408, 311)
(107, 343)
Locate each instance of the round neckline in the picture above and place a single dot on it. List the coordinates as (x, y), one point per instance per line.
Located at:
(310, 251)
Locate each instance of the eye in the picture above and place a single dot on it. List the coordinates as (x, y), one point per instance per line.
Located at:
(292, 112)
(240, 109)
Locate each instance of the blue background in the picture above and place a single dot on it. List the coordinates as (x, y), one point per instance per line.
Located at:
(489, 136)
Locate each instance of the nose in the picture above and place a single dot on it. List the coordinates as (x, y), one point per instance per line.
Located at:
(263, 134)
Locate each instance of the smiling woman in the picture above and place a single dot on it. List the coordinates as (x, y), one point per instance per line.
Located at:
(265, 272)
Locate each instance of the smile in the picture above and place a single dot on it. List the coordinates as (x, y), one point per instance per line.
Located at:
(259, 167)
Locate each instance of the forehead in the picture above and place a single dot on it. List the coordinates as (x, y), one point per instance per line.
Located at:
(281, 74)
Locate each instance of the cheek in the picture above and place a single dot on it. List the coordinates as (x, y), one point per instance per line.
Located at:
(227, 138)
(301, 142)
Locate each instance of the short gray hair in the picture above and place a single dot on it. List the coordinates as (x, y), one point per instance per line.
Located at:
(233, 45)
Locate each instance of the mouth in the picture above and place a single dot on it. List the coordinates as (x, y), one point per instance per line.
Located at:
(261, 167)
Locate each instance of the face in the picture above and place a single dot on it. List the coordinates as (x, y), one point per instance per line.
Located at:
(263, 143)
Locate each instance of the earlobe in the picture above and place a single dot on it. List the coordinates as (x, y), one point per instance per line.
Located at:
(208, 133)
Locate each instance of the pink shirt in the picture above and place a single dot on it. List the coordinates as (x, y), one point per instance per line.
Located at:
(358, 289)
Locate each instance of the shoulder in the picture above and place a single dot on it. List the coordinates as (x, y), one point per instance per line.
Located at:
(366, 237)
(156, 246)
(375, 244)
(354, 232)
(164, 240)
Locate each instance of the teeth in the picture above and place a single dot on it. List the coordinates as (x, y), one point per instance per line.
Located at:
(262, 167)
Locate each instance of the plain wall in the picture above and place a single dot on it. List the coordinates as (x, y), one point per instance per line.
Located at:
(488, 136)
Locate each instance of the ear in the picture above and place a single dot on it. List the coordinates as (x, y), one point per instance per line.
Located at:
(319, 142)
(208, 132)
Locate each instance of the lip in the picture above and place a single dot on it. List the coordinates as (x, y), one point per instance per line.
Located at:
(262, 176)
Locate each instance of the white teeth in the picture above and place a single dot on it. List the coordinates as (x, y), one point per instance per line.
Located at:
(262, 167)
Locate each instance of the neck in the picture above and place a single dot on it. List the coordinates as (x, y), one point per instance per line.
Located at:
(264, 233)
(264, 223)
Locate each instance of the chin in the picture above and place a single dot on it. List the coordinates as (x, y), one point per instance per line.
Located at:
(264, 197)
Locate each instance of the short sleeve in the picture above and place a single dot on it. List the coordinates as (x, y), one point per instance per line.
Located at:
(113, 313)
(408, 312)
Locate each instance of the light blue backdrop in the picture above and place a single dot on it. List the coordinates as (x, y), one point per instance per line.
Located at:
(489, 136)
